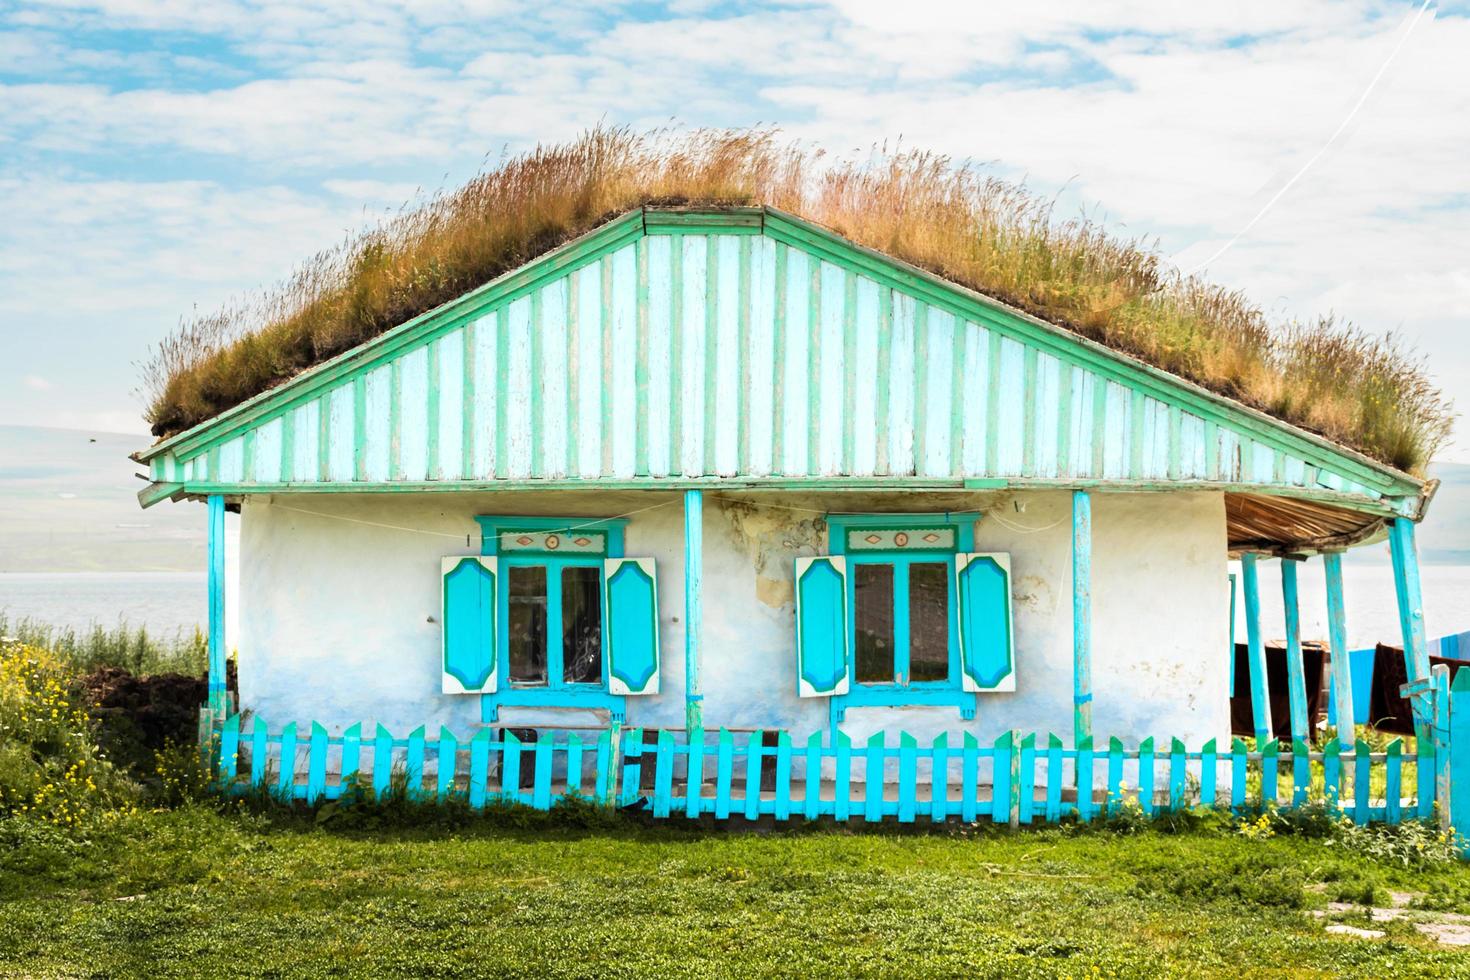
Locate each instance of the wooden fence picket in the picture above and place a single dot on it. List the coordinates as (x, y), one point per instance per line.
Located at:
(1027, 788)
(908, 777)
(1054, 776)
(873, 776)
(1209, 774)
(663, 774)
(606, 785)
(510, 766)
(724, 773)
(939, 779)
(1000, 779)
(541, 780)
(1085, 764)
(970, 779)
(1301, 771)
(812, 795)
(632, 769)
(1178, 775)
(783, 775)
(229, 749)
(1393, 779)
(414, 763)
(448, 762)
(351, 753)
(842, 798)
(1362, 763)
(574, 764)
(382, 762)
(753, 759)
(1332, 774)
(316, 764)
(259, 753)
(694, 775)
(1270, 773)
(1239, 767)
(1115, 775)
(1146, 776)
(286, 778)
(479, 767)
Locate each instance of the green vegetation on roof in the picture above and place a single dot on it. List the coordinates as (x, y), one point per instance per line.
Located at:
(1361, 390)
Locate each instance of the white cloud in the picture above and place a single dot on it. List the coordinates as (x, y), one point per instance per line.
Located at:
(36, 383)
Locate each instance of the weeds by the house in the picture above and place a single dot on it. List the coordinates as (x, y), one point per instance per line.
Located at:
(133, 649)
(1358, 388)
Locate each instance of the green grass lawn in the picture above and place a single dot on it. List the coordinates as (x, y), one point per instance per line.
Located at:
(193, 892)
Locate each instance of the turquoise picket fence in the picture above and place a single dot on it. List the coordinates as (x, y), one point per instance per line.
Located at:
(1017, 778)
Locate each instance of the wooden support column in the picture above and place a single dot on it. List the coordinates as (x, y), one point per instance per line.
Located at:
(1296, 681)
(1342, 668)
(1081, 615)
(693, 584)
(1260, 689)
(1416, 649)
(217, 671)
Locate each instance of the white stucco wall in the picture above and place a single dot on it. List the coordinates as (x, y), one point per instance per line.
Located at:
(338, 617)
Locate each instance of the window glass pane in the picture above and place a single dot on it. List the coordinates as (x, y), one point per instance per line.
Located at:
(873, 612)
(527, 585)
(929, 621)
(581, 626)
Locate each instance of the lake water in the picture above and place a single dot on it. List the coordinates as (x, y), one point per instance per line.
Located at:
(167, 602)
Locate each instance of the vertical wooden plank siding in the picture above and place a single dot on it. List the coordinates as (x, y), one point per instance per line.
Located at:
(1260, 701)
(1081, 614)
(1296, 682)
(218, 696)
(693, 600)
(1341, 663)
(736, 355)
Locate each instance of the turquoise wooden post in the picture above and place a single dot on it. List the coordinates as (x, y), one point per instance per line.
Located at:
(1296, 680)
(693, 584)
(1342, 669)
(1459, 801)
(218, 703)
(1081, 615)
(1260, 697)
(1416, 650)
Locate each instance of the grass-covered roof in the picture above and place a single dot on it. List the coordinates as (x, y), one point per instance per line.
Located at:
(1361, 390)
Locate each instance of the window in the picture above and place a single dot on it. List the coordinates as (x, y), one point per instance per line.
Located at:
(550, 615)
(901, 604)
(903, 612)
(554, 622)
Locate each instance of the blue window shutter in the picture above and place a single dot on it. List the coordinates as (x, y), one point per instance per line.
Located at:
(986, 638)
(631, 602)
(821, 626)
(469, 624)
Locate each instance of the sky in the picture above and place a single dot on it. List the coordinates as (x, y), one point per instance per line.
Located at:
(159, 157)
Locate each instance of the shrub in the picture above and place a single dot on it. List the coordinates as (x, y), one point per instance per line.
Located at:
(50, 766)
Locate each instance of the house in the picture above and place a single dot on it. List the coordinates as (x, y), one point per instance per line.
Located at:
(706, 468)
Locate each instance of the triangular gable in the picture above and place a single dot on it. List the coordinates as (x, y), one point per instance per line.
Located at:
(667, 348)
